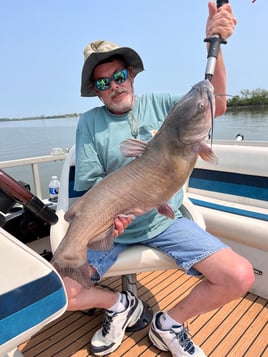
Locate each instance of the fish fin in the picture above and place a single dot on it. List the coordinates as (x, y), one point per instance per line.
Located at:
(166, 210)
(133, 147)
(129, 215)
(68, 216)
(81, 274)
(207, 154)
(104, 241)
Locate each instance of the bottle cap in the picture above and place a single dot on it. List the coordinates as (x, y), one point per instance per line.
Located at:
(54, 177)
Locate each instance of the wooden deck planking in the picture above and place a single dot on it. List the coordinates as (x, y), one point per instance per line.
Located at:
(228, 321)
(230, 332)
(239, 328)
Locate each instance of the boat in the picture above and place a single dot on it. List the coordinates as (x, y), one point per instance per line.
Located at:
(230, 200)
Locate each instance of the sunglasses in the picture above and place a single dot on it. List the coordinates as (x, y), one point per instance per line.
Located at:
(118, 77)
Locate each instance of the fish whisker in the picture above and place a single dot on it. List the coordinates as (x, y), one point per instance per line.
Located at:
(210, 99)
(223, 95)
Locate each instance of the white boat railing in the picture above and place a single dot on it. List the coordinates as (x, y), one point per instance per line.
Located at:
(34, 162)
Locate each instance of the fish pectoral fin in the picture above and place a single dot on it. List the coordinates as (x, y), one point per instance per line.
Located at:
(166, 210)
(207, 154)
(133, 147)
(104, 241)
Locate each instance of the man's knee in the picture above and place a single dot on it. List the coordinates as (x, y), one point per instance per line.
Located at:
(243, 275)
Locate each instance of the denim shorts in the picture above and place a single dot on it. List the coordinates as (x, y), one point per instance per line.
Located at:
(183, 240)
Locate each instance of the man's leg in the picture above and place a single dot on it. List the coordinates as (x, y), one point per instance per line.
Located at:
(122, 310)
(227, 276)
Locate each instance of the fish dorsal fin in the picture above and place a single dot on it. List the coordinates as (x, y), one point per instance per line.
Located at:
(104, 241)
(207, 154)
(166, 210)
(133, 147)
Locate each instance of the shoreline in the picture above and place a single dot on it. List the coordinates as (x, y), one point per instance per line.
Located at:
(230, 108)
(63, 116)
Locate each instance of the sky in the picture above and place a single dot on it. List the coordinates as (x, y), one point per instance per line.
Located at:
(42, 43)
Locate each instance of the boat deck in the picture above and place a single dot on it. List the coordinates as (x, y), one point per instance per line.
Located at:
(238, 329)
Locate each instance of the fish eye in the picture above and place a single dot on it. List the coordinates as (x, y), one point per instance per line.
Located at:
(201, 106)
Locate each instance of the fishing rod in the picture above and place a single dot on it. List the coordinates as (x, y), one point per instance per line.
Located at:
(214, 46)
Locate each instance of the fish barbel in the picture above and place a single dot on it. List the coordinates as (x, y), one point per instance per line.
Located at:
(160, 169)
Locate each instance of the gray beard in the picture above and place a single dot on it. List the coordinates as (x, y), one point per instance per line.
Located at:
(124, 106)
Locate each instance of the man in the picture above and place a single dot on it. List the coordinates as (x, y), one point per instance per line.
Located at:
(109, 73)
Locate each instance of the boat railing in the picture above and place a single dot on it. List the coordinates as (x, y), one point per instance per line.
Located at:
(34, 162)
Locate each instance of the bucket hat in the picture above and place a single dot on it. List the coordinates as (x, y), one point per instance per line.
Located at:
(98, 51)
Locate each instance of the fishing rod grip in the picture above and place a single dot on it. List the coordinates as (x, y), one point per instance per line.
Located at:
(221, 2)
(214, 47)
(20, 194)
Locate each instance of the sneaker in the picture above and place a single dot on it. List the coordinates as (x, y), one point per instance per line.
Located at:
(175, 340)
(110, 336)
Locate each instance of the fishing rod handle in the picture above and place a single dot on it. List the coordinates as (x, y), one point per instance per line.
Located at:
(214, 47)
(221, 2)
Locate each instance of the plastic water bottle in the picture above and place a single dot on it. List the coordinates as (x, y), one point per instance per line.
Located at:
(54, 187)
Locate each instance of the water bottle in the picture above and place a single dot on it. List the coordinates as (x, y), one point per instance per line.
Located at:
(53, 187)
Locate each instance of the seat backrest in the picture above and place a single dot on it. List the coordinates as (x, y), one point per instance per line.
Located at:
(237, 185)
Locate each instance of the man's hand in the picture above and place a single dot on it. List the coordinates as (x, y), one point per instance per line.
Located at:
(220, 21)
(121, 222)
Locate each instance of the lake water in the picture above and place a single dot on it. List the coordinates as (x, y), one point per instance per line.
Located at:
(29, 138)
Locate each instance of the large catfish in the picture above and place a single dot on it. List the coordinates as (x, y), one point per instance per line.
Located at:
(160, 169)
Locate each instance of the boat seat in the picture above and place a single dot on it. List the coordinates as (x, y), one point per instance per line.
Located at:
(32, 294)
(233, 195)
(136, 259)
(233, 199)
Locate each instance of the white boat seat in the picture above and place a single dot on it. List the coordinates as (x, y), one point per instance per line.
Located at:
(32, 294)
(233, 199)
(134, 260)
(233, 195)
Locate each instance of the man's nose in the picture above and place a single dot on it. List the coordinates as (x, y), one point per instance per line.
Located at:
(114, 85)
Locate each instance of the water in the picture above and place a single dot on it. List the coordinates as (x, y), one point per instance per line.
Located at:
(252, 124)
(29, 138)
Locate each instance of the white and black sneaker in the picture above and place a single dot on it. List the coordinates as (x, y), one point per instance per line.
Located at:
(110, 336)
(175, 340)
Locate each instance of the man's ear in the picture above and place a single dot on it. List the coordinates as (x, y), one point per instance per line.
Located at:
(131, 73)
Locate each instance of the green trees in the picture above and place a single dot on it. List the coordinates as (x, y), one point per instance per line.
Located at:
(257, 97)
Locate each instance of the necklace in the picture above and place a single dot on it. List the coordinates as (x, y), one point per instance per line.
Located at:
(134, 125)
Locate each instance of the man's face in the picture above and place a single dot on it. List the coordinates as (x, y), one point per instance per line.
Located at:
(119, 97)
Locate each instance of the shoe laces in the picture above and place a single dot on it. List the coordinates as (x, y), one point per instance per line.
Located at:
(114, 329)
(184, 340)
(106, 324)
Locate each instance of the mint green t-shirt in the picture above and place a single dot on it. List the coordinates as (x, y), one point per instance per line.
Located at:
(98, 137)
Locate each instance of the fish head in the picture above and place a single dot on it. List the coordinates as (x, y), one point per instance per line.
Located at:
(195, 112)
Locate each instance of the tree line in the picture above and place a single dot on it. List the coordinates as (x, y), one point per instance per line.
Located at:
(249, 98)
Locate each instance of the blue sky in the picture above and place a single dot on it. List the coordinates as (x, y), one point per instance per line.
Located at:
(42, 44)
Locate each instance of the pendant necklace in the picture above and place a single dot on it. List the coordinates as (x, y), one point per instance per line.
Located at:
(134, 125)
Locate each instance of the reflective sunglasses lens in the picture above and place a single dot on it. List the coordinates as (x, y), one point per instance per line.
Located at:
(121, 76)
(103, 83)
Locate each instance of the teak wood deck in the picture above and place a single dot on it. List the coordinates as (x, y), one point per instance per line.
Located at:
(238, 329)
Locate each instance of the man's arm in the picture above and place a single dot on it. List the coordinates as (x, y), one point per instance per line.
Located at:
(220, 22)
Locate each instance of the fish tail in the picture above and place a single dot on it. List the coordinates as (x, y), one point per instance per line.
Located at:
(81, 274)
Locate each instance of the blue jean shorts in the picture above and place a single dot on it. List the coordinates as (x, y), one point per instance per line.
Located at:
(183, 240)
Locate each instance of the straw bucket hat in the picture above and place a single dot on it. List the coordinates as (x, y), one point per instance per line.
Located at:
(98, 51)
